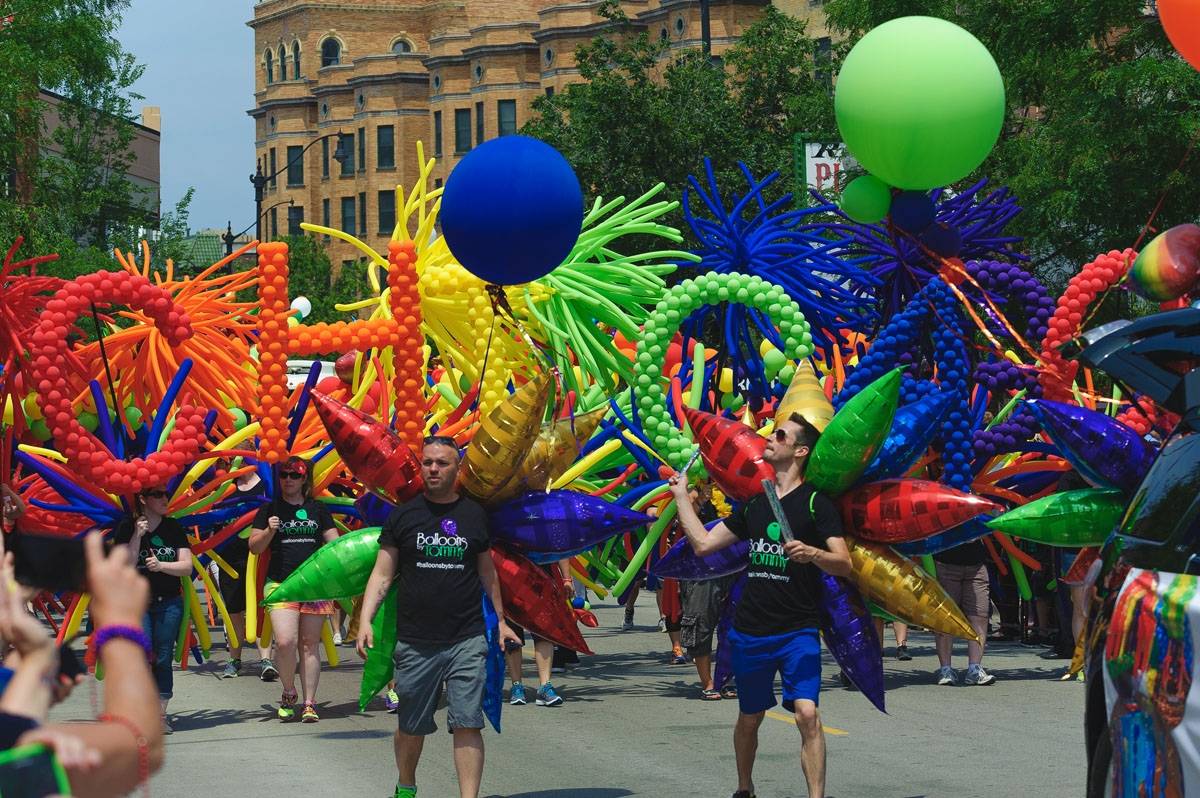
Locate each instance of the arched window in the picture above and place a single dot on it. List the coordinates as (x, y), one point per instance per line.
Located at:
(282, 63)
(331, 52)
(296, 60)
(270, 59)
(402, 46)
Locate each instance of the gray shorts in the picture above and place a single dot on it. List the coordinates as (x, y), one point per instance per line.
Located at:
(702, 604)
(422, 671)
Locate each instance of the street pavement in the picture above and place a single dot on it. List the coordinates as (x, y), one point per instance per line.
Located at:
(632, 725)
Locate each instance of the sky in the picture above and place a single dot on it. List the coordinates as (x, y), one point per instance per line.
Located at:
(199, 71)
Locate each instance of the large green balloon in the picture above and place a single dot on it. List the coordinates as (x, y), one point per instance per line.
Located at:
(378, 669)
(337, 570)
(866, 199)
(919, 102)
(854, 436)
(1070, 518)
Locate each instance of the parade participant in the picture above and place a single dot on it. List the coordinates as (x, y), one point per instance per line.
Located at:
(544, 653)
(702, 602)
(776, 626)
(159, 548)
(293, 526)
(436, 547)
(963, 573)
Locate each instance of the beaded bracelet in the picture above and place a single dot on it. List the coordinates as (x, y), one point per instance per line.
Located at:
(106, 634)
(143, 747)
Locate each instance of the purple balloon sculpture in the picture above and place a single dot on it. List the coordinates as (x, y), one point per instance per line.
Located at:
(850, 636)
(680, 562)
(724, 665)
(561, 521)
(1104, 451)
(913, 429)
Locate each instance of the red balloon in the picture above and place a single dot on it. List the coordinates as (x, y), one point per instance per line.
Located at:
(376, 456)
(732, 453)
(535, 600)
(904, 510)
(1181, 20)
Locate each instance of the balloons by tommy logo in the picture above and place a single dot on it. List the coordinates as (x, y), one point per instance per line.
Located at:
(919, 103)
(512, 210)
(49, 359)
(402, 332)
(773, 531)
(450, 527)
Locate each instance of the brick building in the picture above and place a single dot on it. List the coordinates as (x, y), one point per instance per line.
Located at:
(451, 73)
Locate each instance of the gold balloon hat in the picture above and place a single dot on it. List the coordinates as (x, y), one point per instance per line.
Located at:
(806, 397)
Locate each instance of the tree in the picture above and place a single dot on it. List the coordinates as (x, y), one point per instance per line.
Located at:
(310, 274)
(1101, 124)
(643, 117)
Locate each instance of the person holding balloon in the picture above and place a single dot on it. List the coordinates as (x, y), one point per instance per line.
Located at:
(776, 626)
(293, 527)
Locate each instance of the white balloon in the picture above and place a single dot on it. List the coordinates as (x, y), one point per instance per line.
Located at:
(302, 304)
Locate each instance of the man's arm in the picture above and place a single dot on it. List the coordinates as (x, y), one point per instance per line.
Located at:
(835, 561)
(491, 586)
(703, 541)
(377, 588)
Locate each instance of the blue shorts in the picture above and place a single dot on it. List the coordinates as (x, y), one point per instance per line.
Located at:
(795, 656)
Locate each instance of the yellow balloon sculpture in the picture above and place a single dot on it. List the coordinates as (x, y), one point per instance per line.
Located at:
(504, 438)
(556, 447)
(902, 588)
(804, 396)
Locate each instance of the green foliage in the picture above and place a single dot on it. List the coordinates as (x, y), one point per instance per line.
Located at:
(310, 274)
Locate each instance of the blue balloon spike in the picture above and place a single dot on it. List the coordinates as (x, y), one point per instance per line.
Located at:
(65, 488)
(314, 375)
(163, 412)
(104, 427)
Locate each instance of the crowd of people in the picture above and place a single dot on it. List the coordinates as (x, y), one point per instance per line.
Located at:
(441, 649)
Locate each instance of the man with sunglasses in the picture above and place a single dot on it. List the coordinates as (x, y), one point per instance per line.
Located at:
(776, 626)
(437, 548)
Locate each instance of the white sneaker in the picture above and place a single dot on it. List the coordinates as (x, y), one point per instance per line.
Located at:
(947, 677)
(978, 677)
(337, 638)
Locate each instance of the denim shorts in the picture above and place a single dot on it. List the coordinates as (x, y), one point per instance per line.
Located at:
(423, 671)
(795, 656)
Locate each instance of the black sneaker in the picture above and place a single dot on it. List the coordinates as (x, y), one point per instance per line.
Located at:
(902, 653)
(269, 673)
(743, 794)
(844, 680)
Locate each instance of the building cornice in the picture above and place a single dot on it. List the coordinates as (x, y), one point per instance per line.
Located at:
(268, 15)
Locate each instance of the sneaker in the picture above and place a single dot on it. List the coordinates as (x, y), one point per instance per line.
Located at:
(662, 624)
(947, 677)
(547, 697)
(628, 625)
(743, 794)
(844, 680)
(309, 714)
(406, 792)
(391, 700)
(978, 677)
(516, 695)
(287, 706)
(268, 671)
(232, 669)
(337, 638)
(679, 659)
(167, 726)
(902, 653)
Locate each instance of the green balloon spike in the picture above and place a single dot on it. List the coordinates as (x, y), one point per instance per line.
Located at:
(337, 570)
(1071, 518)
(854, 436)
(378, 669)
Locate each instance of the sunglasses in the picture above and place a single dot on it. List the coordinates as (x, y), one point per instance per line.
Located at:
(290, 475)
(155, 494)
(781, 436)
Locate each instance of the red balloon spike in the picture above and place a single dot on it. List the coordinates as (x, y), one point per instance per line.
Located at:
(732, 453)
(535, 600)
(904, 510)
(372, 452)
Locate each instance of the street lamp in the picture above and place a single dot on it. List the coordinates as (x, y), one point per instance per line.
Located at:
(229, 237)
(259, 180)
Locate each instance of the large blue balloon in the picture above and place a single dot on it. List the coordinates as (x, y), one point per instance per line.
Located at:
(512, 210)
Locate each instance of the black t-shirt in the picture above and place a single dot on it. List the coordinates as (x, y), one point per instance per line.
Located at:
(236, 550)
(301, 532)
(972, 553)
(780, 595)
(438, 578)
(163, 542)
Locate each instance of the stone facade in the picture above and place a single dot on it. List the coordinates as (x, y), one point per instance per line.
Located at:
(449, 73)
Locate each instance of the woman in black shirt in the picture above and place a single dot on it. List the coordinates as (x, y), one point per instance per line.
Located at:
(159, 549)
(293, 527)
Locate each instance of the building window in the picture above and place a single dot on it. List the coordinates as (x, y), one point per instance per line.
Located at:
(549, 56)
(437, 182)
(478, 123)
(275, 224)
(348, 215)
(506, 112)
(295, 166)
(663, 33)
(549, 91)
(385, 147)
(362, 149)
(331, 52)
(270, 59)
(462, 129)
(387, 212)
(272, 170)
(348, 162)
(362, 212)
(680, 25)
(324, 158)
(437, 82)
(282, 63)
(478, 72)
(295, 60)
(402, 46)
(437, 133)
(362, 101)
(295, 217)
(325, 220)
